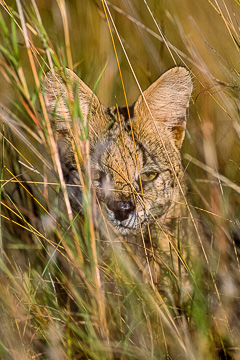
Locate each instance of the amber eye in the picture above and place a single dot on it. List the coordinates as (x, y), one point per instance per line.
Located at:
(148, 176)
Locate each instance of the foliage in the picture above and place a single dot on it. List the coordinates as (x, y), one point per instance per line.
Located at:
(59, 299)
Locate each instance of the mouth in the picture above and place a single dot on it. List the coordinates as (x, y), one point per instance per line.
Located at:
(131, 225)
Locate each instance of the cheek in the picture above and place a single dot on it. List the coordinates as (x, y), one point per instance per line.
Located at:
(99, 192)
(107, 187)
(159, 191)
(104, 190)
(164, 187)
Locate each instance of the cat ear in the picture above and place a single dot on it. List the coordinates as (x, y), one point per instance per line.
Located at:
(165, 102)
(60, 93)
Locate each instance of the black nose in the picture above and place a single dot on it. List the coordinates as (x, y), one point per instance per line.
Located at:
(121, 209)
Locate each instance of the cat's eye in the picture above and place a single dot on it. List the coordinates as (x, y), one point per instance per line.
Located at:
(149, 176)
(98, 176)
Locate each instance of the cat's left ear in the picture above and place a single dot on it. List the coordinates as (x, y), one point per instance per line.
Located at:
(165, 102)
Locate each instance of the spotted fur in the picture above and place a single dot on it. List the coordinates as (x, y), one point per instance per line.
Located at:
(128, 146)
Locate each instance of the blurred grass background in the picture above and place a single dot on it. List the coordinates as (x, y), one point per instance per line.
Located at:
(203, 36)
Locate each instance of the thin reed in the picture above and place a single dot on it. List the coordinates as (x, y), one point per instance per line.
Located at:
(61, 295)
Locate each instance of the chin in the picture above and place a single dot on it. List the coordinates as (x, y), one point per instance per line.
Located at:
(128, 231)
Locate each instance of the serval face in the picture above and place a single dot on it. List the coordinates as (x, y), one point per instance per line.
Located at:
(134, 152)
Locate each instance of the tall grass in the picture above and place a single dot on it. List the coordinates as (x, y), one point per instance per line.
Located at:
(60, 298)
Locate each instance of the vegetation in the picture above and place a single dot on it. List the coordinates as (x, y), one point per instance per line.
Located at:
(59, 298)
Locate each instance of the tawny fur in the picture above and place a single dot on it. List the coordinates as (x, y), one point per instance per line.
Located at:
(125, 151)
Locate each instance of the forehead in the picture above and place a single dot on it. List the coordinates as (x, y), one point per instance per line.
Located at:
(120, 150)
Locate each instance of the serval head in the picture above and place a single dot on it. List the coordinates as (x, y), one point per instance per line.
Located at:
(134, 151)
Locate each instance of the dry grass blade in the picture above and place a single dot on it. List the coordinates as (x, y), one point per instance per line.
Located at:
(213, 172)
(80, 279)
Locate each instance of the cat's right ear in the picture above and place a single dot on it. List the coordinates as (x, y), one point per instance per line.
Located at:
(60, 94)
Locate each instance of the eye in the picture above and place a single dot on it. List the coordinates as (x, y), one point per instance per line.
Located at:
(148, 176)
(98, 176)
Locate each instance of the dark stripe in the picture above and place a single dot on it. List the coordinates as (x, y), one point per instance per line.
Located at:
(124, 112)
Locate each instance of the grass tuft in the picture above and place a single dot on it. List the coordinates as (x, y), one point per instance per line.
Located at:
(65, 293)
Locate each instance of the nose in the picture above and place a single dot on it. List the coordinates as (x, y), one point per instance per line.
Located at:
(121, 209)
